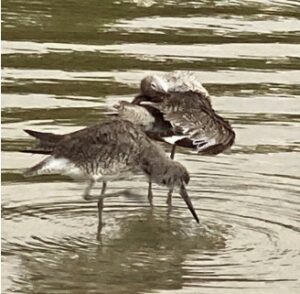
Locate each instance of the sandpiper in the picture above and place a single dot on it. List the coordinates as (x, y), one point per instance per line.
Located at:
(183, 115)
(176, 108)
(108, 151)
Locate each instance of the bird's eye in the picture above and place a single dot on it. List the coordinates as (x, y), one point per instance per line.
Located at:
(153, 85)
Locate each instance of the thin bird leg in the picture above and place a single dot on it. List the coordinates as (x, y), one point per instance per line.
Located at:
(104, 185)
(88, 189)
(173, 151)
(125, 192)
(89, 197)
(169, 199)
(100, 208)
(150, 194)
(100, 199)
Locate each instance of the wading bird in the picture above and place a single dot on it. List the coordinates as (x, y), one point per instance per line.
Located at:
(176, 108)
(182, 114)
(109, 151)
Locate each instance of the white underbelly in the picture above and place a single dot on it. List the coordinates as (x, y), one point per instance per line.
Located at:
(66, 167)
(173, 139)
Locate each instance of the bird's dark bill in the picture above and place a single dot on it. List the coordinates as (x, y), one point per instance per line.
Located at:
(183, 193)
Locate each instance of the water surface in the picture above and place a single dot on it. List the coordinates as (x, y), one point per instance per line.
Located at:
(65, 63)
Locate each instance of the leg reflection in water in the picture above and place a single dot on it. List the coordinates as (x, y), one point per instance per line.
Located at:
(100, 201)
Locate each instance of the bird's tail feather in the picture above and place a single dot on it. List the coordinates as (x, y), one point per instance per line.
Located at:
(46, 142)
(44, 136)
(36, 151)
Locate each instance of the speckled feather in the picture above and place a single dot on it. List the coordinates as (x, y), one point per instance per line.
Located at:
(183, 113)
(112, 150)
(208, 132)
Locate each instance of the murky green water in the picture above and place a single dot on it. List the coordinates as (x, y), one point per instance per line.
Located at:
(66, 62)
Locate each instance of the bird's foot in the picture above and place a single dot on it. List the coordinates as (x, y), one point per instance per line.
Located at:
(88, 197)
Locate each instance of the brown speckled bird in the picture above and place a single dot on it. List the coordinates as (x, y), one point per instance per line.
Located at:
(176, 108)
(109, 151)
(183, 114)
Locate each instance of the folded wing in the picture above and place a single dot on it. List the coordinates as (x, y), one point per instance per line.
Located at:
(199, 128)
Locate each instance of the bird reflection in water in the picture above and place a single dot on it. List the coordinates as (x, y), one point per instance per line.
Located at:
(140, 253)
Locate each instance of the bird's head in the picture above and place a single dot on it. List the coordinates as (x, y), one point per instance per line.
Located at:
(178, 177)
(153, 85)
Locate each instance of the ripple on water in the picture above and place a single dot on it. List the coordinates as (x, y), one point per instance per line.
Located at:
(135, 243)
(64, 63)
(228, 247)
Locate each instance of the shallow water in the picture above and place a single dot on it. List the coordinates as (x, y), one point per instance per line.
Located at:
(66, 63)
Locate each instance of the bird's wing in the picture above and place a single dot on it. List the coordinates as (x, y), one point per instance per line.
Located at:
(186, 100)
(203, 127)
(196, 126)
(105, 143)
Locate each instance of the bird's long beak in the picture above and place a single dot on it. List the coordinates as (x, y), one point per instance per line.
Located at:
(183, 193)
(163, 89)
(138, 99)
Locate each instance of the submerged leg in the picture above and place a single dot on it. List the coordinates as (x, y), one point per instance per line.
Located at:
(100, 208)
(169, 199)
(104, 185)
(173, 151)
(100, 223)
(150, 194)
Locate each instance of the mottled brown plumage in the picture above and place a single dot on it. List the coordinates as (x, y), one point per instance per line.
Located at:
(185, 119)
(177, 109)
(109, 151)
